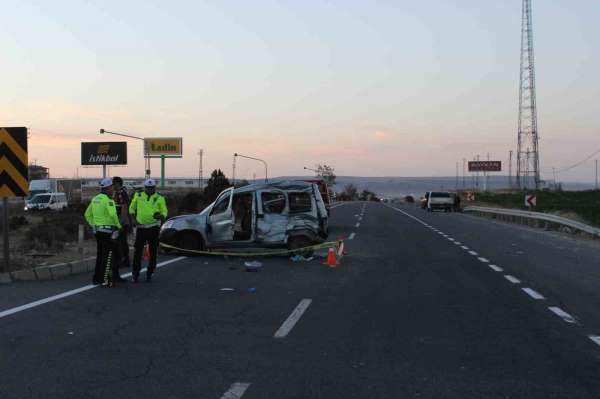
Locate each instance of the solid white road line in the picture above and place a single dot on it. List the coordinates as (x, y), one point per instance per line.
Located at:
(484, 260)
(534, 294)
(473, 253)
(496, 268)
(595, 338)
(291, 321)
(236, 391)
(351, 236)
(512, 279)
(357, 225)
(67, 294)
(562, 314)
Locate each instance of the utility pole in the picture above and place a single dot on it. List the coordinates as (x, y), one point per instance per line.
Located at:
(554, 175)
(456, 176)
(528, 161)
(200, 182)
(596, 174)
(464, 171)
(477, 175)
(233, 172)
(510, 183)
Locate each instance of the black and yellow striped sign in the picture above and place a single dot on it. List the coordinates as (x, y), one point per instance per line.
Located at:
(13, 162)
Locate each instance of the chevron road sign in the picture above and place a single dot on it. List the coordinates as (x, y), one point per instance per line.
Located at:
(13, 162)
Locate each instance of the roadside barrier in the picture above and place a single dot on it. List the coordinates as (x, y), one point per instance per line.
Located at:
(326, 245)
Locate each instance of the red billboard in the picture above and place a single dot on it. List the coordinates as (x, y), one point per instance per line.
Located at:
(485, 166)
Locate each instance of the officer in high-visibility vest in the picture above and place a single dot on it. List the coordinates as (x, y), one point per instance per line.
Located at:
(150, 210)
(101, 215)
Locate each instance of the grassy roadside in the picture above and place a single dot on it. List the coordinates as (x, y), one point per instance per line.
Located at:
(581, 205)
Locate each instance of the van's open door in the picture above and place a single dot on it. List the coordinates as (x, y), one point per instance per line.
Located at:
(221, 220)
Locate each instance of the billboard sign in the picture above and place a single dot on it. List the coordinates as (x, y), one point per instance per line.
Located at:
(485, 166)
(170, 147)
(104, 153)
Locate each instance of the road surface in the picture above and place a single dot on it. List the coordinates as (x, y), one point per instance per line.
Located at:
(423, 306)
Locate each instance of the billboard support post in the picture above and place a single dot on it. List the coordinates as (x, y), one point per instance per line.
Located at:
(162, 171)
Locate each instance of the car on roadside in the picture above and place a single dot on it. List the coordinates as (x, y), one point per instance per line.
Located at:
(439, 200)
(47, 201)
(284, 214)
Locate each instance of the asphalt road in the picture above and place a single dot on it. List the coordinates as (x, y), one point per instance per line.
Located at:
(409, 313)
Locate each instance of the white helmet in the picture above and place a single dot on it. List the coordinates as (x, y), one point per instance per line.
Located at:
(106, 182)
(150, 183)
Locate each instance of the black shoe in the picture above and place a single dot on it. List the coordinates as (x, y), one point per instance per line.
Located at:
(135, 278)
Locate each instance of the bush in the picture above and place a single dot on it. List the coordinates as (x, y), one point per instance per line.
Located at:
(14, 222)
(409, 199)
(45, 236)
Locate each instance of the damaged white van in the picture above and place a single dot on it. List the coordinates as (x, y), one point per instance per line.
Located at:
(288, 214)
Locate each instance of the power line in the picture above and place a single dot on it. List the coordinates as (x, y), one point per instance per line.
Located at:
(579, 163)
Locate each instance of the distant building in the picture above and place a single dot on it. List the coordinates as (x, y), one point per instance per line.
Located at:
(38, 172)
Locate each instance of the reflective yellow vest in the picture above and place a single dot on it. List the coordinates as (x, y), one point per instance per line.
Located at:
(102, 212)
(144, 207)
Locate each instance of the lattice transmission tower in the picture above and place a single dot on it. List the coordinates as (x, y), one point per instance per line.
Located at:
(528, 159)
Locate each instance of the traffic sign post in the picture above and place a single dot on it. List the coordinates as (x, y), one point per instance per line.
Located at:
(14, 180)
(530, 200)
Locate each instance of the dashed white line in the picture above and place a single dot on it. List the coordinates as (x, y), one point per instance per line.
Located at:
(496, 268)
(293, 318)
(458, 243)
(450, 239)
(67, 294)
(562, 314)
(484, 260)
(236, 390)
(473, 253)
(351, 236)
(512, 279)
(534, 294)
(464, 247)
(357, 225)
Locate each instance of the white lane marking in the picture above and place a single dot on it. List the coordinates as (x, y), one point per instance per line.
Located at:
(450, 239)
(67, 294)
(458, 243)
(357, 225)
(534, 294)
(562, 314)
(293, 318)
(512, 279)
(595, 338)
(496, 268)
(473, 253)
(484, 260)
(351, 237)
(236, 390)
(464, 247)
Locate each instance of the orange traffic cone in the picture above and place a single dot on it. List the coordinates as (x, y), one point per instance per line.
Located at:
(146, 252)
(331, 258)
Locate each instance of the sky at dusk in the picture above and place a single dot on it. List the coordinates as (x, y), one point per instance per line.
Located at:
(373, 88)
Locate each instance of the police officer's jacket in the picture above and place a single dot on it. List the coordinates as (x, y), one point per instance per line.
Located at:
(144, 207)
(101, 214)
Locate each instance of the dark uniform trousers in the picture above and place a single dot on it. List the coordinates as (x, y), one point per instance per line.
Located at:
(123, 247)
(106, 251)
(142, 236)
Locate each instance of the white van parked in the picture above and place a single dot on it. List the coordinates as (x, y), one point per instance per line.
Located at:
(47, 201)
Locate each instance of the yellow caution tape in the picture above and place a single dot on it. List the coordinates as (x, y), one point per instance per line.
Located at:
(328, 244)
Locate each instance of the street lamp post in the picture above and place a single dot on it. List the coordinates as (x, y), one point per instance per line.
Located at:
(146, 161)
(256, 159)
(312, 170)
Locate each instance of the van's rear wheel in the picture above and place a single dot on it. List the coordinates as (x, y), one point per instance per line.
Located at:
(297, 243)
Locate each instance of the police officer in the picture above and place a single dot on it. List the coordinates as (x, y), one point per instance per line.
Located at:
(121, 199)
(101, 215)
(149, 209)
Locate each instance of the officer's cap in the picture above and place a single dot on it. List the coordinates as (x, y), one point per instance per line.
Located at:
(150, 183)
(106, 182)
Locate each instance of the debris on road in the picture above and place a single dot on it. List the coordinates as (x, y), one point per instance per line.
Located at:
(252, 290)
(227, 289)
(300, 258)
(253, 266)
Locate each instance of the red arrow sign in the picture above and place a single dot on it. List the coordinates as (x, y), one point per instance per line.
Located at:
(530, 200)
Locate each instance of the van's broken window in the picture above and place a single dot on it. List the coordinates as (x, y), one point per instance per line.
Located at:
(222, 205)
(273, 202)
(300, 202)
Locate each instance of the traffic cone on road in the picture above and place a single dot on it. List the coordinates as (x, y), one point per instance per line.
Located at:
(331, 258)
(146, 252)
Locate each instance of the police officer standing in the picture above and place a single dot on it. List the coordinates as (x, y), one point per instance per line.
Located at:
(101, 215)
(149, 209)
(121, 199)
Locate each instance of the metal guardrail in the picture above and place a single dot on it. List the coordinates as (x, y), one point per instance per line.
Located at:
(536, 216)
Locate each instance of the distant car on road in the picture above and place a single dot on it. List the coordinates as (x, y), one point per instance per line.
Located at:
(47, 201)
(288, 214)
(439, 200)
